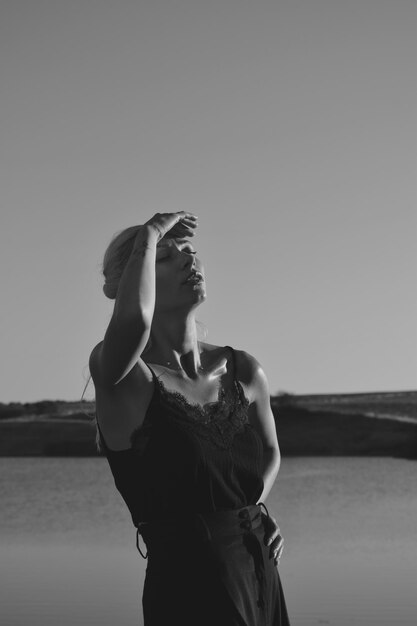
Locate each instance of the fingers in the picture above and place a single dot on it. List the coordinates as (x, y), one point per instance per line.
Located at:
(274, 539)
(187, 215)
(272, 530)
(184, 216)
(277, 549)
(181, 230)
(189, 220)
(186, 225)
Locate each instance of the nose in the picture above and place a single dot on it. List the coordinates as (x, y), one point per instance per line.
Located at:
(187, 260)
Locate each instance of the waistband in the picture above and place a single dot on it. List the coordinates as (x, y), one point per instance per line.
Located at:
(201, 526)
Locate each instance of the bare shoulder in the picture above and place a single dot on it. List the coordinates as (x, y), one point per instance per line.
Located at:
(251, 375)
(249, 366)
(249, 371)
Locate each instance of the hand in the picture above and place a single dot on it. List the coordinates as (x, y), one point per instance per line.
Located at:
(273, 538)
(176, 225)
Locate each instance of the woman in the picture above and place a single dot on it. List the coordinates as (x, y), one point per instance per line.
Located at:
(190, 438)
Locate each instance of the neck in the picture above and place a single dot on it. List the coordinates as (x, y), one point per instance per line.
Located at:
(175, 343)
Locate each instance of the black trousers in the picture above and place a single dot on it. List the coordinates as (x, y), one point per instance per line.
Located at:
(211, 570)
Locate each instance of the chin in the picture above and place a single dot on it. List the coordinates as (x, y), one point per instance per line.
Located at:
(200, 294)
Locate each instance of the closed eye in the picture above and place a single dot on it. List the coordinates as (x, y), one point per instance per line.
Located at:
(187, 249)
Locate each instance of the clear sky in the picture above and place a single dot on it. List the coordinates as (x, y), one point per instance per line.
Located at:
(287, 126)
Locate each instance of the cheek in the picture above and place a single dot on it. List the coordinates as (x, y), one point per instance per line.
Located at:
(164, 280)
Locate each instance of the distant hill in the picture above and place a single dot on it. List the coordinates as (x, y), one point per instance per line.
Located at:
(59, 408)
(400, 405)
(364, 424)
(358, 424)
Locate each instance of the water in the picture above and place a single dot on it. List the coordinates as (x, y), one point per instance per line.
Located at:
(68, 554)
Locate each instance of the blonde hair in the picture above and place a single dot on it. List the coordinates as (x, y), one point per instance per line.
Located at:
(115, 258)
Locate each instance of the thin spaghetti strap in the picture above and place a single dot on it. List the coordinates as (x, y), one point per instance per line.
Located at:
(234, 361)
(238, 386)
(155, 379)
(156, 382)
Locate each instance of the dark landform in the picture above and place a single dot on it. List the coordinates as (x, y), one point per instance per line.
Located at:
(358, 424)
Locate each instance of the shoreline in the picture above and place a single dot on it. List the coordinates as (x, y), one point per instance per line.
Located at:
(358, 424)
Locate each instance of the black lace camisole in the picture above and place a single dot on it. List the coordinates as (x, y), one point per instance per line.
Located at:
(188, 458)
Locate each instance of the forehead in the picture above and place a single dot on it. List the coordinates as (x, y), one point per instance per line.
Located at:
(172, 241)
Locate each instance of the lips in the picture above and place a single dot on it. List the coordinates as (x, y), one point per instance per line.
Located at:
(194, 276)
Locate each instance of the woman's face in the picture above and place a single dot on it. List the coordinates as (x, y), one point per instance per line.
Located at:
(176, 259)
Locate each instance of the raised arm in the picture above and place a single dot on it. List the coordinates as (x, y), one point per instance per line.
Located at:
(131, 321)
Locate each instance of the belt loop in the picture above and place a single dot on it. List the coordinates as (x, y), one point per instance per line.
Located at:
(145, 556)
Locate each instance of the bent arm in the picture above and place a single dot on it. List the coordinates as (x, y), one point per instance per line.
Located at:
(271, 463)
(262, 419)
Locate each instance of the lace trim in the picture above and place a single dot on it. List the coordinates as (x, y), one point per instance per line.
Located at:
(195, 410)
(217, 422)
